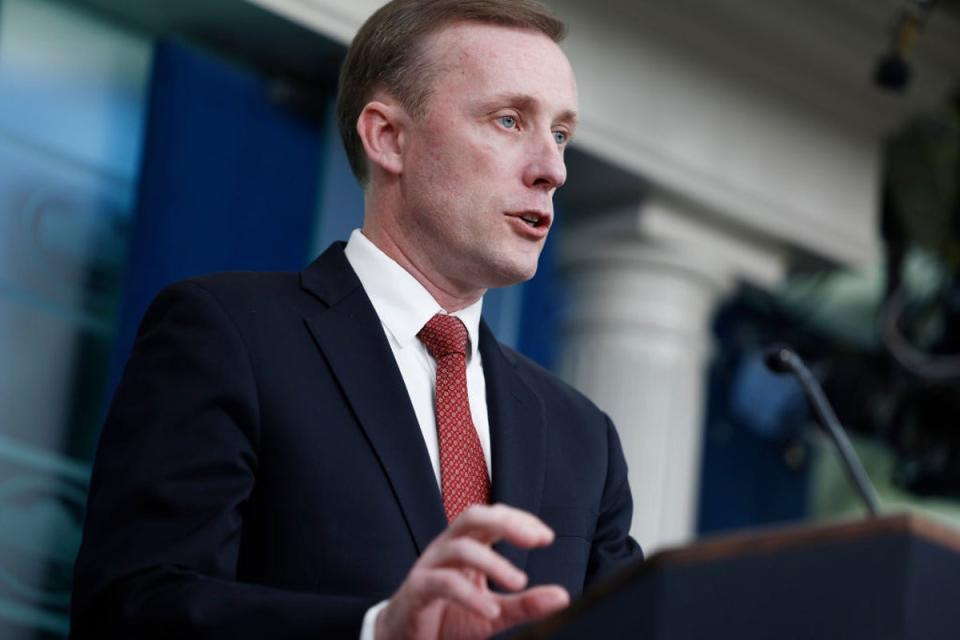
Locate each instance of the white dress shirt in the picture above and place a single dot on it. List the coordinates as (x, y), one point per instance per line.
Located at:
(404, 306)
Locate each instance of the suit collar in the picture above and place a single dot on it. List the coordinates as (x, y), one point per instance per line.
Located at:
(351, 338)
(330, 277)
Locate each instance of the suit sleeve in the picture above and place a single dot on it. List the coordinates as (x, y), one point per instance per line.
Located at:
(173, 476)
(612, 545)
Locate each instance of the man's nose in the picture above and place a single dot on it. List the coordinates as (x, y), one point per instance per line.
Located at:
(545, 166)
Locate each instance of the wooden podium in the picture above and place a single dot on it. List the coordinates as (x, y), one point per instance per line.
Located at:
(889, 578)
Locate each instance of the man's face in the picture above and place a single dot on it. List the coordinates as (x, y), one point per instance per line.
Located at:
(481, 165)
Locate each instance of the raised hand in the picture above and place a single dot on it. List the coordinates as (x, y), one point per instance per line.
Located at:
(445, 595)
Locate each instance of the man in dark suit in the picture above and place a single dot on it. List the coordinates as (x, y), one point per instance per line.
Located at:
(296, 455)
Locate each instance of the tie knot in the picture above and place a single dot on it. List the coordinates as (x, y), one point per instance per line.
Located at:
(443, 335)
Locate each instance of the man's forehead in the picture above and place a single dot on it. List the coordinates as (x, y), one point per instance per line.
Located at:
(509, 59)
(470, 37)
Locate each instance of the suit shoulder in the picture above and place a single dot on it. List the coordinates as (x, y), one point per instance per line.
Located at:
(232, 286)
(235, 291)
(254, 301)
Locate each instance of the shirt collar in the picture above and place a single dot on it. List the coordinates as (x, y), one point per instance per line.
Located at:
(402, 303)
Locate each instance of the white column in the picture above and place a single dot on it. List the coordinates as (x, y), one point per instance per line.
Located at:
(644, 283)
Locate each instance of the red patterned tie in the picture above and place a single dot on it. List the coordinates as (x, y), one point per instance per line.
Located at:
(463, 470)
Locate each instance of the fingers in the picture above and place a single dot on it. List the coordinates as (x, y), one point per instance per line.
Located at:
(466, 543)
(489, 524)
(530, 605)
(468, 553)
(452, 585)
(454, 569)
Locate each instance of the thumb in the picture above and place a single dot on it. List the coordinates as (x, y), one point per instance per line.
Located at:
(530, 605)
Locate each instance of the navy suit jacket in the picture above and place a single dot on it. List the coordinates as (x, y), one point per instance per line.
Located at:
(261, 472)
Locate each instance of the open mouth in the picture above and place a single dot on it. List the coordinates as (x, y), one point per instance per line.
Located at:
(533, 219)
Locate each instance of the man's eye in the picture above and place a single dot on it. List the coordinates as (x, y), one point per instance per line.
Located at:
(560, 137)
(508, 122)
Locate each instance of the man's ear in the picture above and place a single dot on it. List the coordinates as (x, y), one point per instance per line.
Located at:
(381, 128)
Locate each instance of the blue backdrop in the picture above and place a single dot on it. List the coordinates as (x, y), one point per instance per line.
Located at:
(228, 181)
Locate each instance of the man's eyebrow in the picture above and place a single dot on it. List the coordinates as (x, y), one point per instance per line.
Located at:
(569, 117)
(523, 100)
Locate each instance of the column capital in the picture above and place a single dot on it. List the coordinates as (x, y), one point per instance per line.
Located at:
(660, 230)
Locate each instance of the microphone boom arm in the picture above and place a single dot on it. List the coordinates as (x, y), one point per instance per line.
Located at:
(783, 360)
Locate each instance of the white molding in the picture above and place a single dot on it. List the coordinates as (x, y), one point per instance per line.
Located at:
(761, 113)
(692, 125)
(336, 19)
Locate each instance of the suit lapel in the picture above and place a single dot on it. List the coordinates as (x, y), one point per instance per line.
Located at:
(351, 337)
(517, 436)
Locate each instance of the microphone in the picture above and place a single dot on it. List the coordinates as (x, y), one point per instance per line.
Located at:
(784, 360)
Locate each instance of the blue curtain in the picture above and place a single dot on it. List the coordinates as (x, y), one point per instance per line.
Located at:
(228, 181)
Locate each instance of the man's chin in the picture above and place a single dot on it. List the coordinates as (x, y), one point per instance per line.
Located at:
(508, 275)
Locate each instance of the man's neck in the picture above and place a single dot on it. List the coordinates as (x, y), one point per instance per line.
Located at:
(447, 295)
